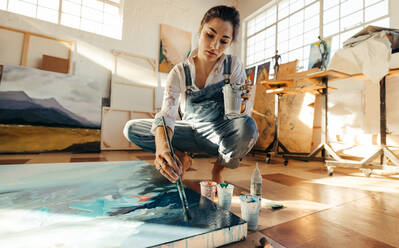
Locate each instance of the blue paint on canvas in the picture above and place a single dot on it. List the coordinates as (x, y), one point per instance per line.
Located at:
(102, 204)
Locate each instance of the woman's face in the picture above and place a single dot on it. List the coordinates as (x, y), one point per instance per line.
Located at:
(215, 37)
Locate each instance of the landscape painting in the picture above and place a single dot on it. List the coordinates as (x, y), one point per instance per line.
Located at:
(43, 111)
(175, 46)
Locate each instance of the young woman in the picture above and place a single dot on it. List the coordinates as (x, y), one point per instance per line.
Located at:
(197, 85)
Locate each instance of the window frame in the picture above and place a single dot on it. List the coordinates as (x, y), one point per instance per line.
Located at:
(119, 5)
(276, 4)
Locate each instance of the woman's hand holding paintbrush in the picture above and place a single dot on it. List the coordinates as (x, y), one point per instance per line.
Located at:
(164, 162)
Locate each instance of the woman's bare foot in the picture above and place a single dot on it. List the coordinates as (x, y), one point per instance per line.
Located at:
(185, 159)
(217, 172)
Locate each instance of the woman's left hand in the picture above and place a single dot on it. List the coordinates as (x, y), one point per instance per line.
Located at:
(246, 93)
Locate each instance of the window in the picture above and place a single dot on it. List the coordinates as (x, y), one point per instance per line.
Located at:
(103, 17)
(290, 26)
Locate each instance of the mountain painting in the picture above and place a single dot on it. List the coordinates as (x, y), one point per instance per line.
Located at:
(43, 111)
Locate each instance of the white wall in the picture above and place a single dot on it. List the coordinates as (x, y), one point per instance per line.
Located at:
(142, 18)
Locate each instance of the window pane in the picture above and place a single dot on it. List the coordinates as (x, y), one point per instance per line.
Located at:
(370, 2)
(3, 4)
(284, 58)
(331, 15)
(70, 20)
(111, 19)
(22, 7)
(296, 18)
(381, 23)
(335, 44)
(71, 8)
(352, 20)
(311, 23)
(296, 30)
(312, 10)
(51, 4)
(311, 36)
(111, 9)
(283, 9)
(271, 16)
(92, 14)
(296, 42)
(260, 22)
(309, 2)
(282, 36)
(349, 7)
(282, 46)
(47, 14)
(295, 54)
(296, 5)
(283, 24)
(331, 28)
(270, 52)
(330, 3)
(90, 26)
(347, 35)
(93, 4)
(375, 11)
(251, 27)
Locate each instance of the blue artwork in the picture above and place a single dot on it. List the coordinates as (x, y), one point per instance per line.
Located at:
(315, 57)
(105, 204)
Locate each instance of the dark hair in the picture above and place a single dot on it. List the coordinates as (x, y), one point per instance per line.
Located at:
(225, 13)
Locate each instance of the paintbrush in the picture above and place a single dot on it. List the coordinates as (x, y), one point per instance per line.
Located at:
(179, 184)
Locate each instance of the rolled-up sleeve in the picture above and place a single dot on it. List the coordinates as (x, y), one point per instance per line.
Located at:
(170, 103)
(238, 75)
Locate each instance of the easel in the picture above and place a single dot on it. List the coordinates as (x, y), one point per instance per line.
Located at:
(322, 77)
(383, 152)
(281, 85)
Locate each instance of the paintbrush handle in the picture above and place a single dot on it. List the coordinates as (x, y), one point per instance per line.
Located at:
(179, 184)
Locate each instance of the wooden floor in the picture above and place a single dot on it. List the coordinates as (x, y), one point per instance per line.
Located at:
(345, 210)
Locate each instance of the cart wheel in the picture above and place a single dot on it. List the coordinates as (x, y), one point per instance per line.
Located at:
(285, 162)
(330, 170)
(367, 172)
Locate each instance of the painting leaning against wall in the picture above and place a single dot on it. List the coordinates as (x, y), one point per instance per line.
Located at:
(175, 46)
(43, 111)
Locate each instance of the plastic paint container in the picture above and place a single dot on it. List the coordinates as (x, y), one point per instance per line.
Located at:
(225, 194)
(250, 210)
(208, 189)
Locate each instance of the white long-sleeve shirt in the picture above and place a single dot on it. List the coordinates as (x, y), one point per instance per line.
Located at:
(175, 88)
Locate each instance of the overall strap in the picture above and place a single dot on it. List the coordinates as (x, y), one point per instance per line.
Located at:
(187, 73)
(227, 69)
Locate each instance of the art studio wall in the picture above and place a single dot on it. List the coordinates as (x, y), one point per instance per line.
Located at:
(92, 58)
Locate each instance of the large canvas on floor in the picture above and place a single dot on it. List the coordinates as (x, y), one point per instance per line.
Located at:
(43, 111)
(175, 46)
(106, 204)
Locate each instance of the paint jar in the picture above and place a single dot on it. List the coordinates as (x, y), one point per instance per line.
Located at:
(208, 189)
(232, 100)
(250, 210)
(225, 194)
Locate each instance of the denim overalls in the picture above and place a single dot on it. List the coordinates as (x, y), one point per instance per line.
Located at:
(204, 128)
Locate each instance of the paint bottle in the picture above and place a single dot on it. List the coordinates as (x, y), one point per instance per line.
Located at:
(256, 182)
